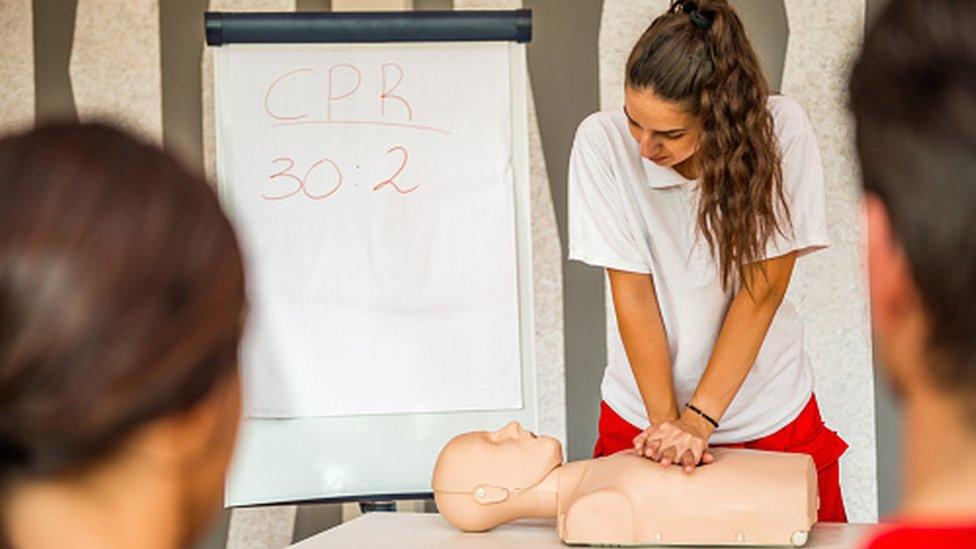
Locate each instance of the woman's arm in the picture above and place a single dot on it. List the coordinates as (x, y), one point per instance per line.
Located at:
(742, 334)
(646, 343)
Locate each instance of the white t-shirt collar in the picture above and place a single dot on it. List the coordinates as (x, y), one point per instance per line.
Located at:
(659, 177)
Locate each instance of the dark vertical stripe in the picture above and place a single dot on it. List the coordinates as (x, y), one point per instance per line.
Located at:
(888, 416)
(181, 52)
(768, 30)
(216, 536)
(313, 5)
(54, 27)
(564, 65)
(888, 440)
(433, 4)
(874, 8)
(313, 518)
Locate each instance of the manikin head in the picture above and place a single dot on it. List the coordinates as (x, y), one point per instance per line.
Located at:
(481, 477)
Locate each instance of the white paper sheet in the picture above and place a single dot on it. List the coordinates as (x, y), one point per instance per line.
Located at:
(372, 191)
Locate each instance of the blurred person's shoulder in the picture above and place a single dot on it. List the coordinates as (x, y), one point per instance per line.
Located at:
(913, 535)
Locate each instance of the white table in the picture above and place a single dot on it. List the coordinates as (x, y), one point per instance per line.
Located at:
(423, 531)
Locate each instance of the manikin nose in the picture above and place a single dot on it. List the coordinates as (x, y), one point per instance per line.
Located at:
(513, 430)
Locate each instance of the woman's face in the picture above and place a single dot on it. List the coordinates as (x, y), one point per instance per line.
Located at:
(666, 132)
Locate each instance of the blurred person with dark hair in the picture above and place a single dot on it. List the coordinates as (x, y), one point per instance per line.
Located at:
(913, 94)
(121, 309)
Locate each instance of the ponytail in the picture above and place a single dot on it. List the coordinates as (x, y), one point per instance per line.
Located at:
(698, 54)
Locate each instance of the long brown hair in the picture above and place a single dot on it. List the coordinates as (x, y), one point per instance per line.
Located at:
(697, 54)
(121, 295)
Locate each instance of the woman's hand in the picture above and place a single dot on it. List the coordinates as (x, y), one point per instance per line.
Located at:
(684, 442)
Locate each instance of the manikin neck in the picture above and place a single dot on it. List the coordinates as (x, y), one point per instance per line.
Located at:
(539, 500)
(542, 499)
(940, 474)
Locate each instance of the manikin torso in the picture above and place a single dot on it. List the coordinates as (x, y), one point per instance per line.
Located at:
(744, 497)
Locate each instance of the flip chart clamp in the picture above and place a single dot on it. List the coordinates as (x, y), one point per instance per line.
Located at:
(355, 27)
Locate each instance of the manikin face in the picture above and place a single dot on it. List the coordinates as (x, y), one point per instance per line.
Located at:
(666, 133)
(512, 448)
(512, 438)
(510, 457)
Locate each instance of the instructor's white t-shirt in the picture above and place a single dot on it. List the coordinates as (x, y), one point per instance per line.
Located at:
(629, 214)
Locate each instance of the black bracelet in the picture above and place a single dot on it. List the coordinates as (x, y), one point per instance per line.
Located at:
(708, 418)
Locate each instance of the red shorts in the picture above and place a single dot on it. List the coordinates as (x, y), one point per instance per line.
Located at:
(806, 434)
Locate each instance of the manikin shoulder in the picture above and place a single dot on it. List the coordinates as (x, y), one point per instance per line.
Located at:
(606, 515)
(625, 498)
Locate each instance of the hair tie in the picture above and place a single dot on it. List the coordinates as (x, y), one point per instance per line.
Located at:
(700, 20)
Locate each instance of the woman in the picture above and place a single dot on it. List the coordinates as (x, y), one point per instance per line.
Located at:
(697, 197)
(121, 308)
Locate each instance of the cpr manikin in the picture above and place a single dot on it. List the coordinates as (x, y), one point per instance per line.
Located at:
(484, 479)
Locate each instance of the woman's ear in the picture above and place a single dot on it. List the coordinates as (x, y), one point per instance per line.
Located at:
(898, 317)
(892, 288)
(213, 423)
(208, 428)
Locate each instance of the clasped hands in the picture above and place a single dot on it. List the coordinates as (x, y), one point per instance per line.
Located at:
(683, 442)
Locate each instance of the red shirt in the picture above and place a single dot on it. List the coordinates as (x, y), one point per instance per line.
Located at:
(962, 536)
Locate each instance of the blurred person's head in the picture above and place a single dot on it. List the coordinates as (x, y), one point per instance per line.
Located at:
(913, 94)
(121, 309)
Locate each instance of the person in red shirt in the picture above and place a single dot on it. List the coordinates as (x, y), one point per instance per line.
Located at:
(913, 96)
